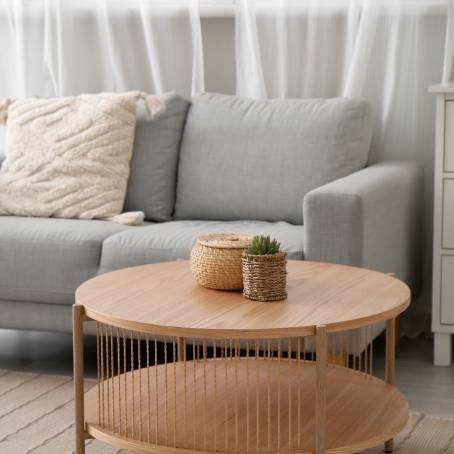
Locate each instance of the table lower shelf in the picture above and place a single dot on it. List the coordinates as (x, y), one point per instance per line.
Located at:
(241, 405)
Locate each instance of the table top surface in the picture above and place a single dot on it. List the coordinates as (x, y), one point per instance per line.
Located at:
(164, 299)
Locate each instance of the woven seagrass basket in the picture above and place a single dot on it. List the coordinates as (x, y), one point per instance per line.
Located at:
(265, 277)
(216, 260)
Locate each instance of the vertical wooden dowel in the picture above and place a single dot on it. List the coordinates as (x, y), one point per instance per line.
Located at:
(181, 348)
(133, 421)
(320, 391)
(194, 363)
(360, 352)
(156, 394)
(98, 369)
(298, 353)
(279, 355)
(215, 394)
(185, 392)
(371, 356)
(107, 376)
(125, 383)
(390, 364)
(139, 369)
(366, 359)
(147, 340)
(269, 396)
(289, 395)
(354, 347)
(236, 397)
(118, 379)
(346, 342)
(334, 348)
(257, 396)
(226, 409)
(103, 392)
(205, 404)
(78, 365)
(112, 376)
(174, 357)
(166, 409)
(247, 396)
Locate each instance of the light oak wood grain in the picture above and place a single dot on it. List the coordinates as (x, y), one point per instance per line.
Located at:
(164, 299)
(390, 365)
(321, 341)
(361, 411)
(78, 359)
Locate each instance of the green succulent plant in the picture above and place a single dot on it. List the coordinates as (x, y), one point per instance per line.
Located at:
(263, 245)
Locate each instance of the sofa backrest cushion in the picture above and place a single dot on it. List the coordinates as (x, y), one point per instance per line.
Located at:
(256, 159)
(152, 181)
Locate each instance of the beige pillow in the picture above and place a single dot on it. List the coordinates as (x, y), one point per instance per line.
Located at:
(68, 157)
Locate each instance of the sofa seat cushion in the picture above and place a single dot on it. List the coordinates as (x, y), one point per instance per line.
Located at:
(256, 159)
(45, 260)
(173, 240)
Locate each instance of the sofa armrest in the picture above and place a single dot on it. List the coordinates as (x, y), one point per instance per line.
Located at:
(371, 219)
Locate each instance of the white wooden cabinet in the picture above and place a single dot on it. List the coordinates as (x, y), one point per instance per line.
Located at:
(443, 245)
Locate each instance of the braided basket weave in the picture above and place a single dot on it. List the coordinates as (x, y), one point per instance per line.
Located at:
(265, 277)
(216, 260)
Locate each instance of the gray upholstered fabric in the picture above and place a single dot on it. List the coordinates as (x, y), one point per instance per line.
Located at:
(44, 260)
(370, 219)
(256, 159)
(27, 315)
(174, 240)
(152, 182)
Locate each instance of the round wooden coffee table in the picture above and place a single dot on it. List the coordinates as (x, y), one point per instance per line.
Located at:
(236, 375)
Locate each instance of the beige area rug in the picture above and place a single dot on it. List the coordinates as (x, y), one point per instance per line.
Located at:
(36, 417)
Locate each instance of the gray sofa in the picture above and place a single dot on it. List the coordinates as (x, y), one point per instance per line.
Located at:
(295, 169)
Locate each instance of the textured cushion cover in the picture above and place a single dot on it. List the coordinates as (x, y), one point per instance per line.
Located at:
(152, 182)
(45, 260)
(68, 157)
(256, 159)
(173, 240)
(2, 143)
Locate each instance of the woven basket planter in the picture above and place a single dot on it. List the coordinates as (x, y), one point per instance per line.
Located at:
(216, 260)
(265, 277)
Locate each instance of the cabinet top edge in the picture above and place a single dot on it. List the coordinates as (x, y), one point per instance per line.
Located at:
(442, 88)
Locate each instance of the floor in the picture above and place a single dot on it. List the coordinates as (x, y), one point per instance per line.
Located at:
(429, 389)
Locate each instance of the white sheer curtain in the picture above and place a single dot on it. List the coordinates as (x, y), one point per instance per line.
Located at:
(387, 51)
(62, 47)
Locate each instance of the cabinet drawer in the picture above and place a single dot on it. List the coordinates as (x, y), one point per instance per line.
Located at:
(447, 289)
(448, 214)
(449, 137)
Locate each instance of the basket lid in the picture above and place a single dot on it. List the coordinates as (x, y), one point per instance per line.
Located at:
(225, 240)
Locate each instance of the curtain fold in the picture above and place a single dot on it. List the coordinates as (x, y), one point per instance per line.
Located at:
(56, 47)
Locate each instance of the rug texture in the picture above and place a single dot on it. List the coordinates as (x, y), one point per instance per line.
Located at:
(36, 417)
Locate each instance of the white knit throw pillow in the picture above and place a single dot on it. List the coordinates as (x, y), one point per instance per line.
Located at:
(69, 157)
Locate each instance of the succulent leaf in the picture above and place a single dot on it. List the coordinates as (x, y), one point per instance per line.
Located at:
(263, 245)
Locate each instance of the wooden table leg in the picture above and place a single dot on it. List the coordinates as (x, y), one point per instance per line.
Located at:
(390, 364)
(321, 342)
(78, 358)
(181, 349)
